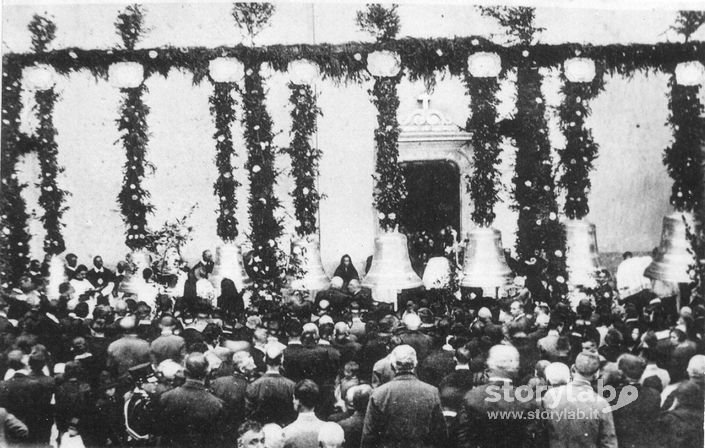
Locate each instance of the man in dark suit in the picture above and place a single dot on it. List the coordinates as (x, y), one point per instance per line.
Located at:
(190, 415)
(634, 422)
(270, 398)
(71, 265)
(99, 275)
(352, 426)
(231, 390)
(206, 263)
(476, 427)
(404, 412)
(27, 395)
(420, 342)
(456, 384)
(519, 323)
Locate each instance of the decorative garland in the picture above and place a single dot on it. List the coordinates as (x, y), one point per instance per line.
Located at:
(421, 58)
(132, 197)
(484, 183)
(266, 261)
(51, 197)
(304, 157)
(222, 106)
(390, 187)
(683, 158)
(133, 120)
(580, 149)
(539, 232)
(14, 237)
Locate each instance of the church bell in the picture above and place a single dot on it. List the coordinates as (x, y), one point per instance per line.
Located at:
(306, 257)
(133, 281)
(57, 276)
(391, 269)
(582, 258)
(229, 264)
(484, 265)
(673, 261)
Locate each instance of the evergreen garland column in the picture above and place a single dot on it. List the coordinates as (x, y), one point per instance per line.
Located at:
(266, 258)
(133, 199)
(51, 197)
(539, 232)
(580, 150)
(485, 181)
(14, 236)
(390, 187)
(129, 77)
(222, 106)
(684, 157)
(304, 157)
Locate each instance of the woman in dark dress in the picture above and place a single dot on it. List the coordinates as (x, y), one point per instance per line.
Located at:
(346, 270)
(230, 300)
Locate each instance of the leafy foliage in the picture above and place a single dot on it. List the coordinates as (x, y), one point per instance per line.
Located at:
(580, 151)
(688, 22)
(129, 25)
(222, 107)
(381, 22)
(485, 181)
(51, 197)
(133, 199)
(684, 158)
(304, 157)
(266, 262)
(43, 32)
(518, 21)
(172, 235)
(390, 187)
(14, 235)
(252, 17)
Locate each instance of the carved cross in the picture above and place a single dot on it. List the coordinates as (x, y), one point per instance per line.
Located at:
(425, 100)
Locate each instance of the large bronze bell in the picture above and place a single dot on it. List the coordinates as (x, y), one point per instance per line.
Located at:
(133, 281)
(306, 255)
(229, 264)
(484, 265)
(391, 269)
(673, 261)
(582, 259)
(57, 276)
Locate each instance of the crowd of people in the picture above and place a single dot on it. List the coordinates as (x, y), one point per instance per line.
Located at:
(171, 364)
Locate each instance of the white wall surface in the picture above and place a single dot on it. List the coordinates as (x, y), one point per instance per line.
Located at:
(630, 185)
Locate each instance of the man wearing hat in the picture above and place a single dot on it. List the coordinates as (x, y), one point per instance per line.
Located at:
(592, 424)
(405, 411)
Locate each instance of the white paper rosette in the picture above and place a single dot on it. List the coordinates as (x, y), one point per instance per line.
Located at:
(383, 63)
(39, 77)
(303, 72)
(579, 69)
(226, 70)
(126, 75)
(484, 64)
(690, 73)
